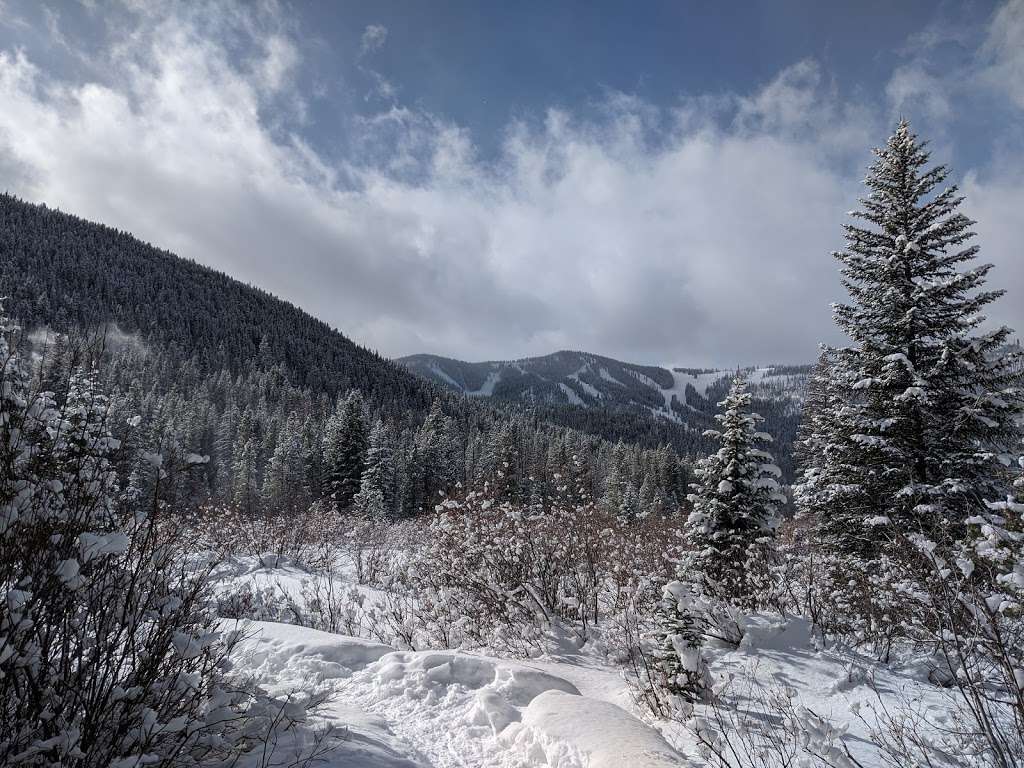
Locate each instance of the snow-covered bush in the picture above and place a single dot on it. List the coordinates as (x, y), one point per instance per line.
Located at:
(499, 575)
(296, 536)
(970, 611)
(364, 539)
(332, 605)
(109, 652)
(256, 603)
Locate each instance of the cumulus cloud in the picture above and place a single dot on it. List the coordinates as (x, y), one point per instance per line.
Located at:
(706, 241)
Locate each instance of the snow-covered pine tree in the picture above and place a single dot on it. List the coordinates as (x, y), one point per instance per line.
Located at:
(616, 481)
(680, 672)
(345, 451)
(649, 501)
(245, 470)
(434, 465)
(224, 441)
(503, 460)
(922, 404)
(735, 499)
(823, 439)
(283, 482)
(376, 497)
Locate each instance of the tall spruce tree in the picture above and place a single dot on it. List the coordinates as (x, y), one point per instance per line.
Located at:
(345, 451)
(921, 406)
(376, 497)
(245, 469)
(736, 497)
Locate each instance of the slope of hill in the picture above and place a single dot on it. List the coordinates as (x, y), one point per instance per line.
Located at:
(60, 271)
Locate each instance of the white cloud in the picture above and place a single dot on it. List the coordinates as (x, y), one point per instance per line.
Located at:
(373, 39)
(912, 90)
(1003, 52)
(996, 202)
(709, 246)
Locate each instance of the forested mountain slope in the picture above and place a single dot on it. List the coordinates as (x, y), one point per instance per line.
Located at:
(582, 378)
(60, 271)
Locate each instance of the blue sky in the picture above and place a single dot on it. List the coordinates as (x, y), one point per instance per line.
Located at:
(660, 182)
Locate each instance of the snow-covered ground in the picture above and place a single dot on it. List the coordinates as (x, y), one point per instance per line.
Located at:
(571, 709)
(449, 708)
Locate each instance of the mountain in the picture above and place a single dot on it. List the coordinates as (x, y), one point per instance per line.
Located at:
(593, 381)
(63, 272)
(275, 398)
(625, 400)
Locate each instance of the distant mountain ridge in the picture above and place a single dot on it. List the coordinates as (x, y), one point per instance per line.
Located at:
(594, 381)
(599, 394)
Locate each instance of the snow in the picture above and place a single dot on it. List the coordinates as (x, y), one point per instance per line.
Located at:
(286, 658)
(603, 373)
(699, 382)
(450, 708)
(833, 683)
(574, 399)
(440, 372)
(594, 734)
(643, 379)
(570, 708)
(590, 389)
(487, 388)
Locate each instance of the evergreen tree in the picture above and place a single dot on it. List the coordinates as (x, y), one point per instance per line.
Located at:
(345, 451)
(823, 438)
(224, 444)
(245, 492)
(736, 498)
(433, 461)
(283, 483)
(617, 480)
(648, 503)
(376, 497)
(681, 671)
(915, 414)
(503, 460)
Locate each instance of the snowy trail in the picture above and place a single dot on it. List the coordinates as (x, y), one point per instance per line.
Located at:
(569, 709)
(447, 709)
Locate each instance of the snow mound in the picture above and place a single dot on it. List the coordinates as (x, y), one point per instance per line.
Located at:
(772, 633)
(467, 710)
(287, 659)
(287, 656)
(572, 731)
